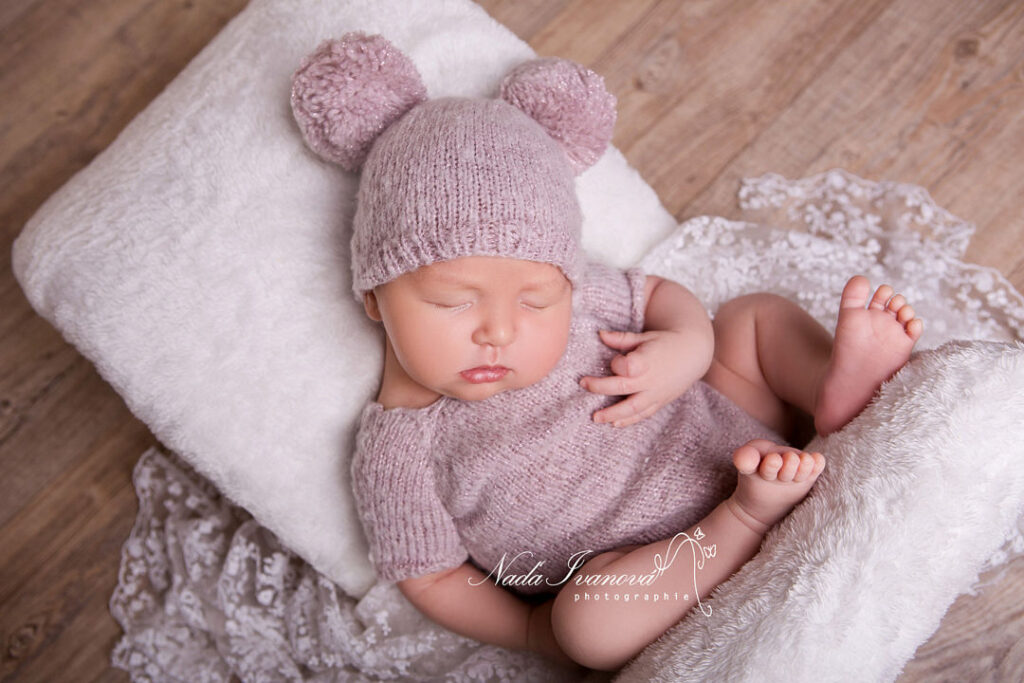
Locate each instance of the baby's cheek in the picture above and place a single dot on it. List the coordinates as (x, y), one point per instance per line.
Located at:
(430, 346)
(554, 340)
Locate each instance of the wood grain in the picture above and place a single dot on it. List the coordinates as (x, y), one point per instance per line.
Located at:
(73, 74)
(709, 91)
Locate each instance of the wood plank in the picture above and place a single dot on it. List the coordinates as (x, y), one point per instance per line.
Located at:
(894, 106)
(61, 410)
(528, 16)
(66, 543)
(982, 636)
(73, 74)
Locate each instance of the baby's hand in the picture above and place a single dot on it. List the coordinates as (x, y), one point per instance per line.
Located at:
(654, 371)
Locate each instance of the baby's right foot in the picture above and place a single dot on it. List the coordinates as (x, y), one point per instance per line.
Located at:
(772, 480)
(873, 340)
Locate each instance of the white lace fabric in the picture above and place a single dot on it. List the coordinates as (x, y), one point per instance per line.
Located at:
(205, 592)
(830, 226)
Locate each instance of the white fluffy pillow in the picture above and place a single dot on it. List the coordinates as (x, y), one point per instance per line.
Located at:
(202, 263)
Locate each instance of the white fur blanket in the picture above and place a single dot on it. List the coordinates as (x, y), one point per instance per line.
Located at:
(205, 276)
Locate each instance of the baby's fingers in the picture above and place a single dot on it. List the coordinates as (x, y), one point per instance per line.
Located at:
(630, 365)
(622, 340)
(610, 385)
(627, 412)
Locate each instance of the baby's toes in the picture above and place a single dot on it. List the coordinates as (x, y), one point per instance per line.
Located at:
(819, 464)
(905, 314)
(746, 459)
(881, 298)
(915, 328)
(855, 293)
(770, 466)
(810, 465)
(790, 466)
(896, 303)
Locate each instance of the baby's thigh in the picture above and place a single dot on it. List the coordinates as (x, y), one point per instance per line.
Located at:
(599, 561)
(736, 369)
(595, 564)
(736, 332)
(596, 631)
(736, 366)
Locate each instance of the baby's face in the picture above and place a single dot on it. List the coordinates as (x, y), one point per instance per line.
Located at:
(472, 327)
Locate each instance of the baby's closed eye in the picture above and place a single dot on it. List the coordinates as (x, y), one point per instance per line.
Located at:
(453, 306)
(536, 303)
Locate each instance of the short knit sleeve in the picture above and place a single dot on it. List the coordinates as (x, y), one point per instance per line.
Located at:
(409, 531)
(614, 297)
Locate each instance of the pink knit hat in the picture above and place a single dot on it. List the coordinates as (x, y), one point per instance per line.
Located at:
(453, 177)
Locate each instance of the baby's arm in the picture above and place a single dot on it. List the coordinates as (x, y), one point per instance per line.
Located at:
(660, 363)
(465, 601)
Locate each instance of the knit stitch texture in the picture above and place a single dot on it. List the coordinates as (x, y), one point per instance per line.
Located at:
(453, 177)
(457, 177)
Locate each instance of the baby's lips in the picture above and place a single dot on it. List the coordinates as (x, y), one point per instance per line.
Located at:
(484, 374)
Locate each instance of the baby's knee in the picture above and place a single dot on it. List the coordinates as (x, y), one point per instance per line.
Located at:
(744, 309)
(749, 303)
(582, 633)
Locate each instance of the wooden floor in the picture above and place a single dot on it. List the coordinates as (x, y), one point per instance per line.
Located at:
(709, 91)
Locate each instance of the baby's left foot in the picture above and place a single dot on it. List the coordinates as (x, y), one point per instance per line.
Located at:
(772, 479)
(870, 345)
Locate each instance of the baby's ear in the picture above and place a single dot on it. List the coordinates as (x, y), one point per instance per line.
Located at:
(569, 101)
(371, 307)
(348, 91)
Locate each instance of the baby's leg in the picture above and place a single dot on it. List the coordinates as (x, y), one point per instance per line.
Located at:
(772, 356)
(750, 330)
(602, 621)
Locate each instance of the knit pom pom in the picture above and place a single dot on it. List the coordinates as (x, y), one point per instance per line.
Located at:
(569, 101)
(348, 91)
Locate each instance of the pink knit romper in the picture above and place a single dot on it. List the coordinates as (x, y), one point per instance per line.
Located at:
(524, 480)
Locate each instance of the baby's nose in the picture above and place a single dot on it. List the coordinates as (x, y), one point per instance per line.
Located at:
(496, 329)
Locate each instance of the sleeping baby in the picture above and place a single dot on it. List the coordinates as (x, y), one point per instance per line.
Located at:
(563, 456)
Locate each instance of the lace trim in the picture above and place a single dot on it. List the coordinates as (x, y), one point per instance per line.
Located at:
(204, 592)
(830, 226)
